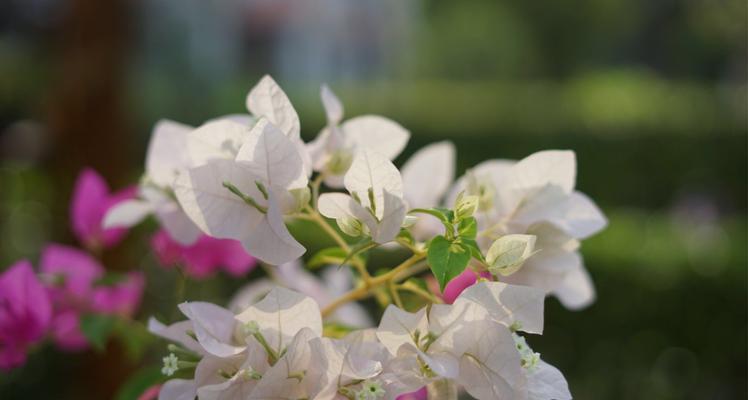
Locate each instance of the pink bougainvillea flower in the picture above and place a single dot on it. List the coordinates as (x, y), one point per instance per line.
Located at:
(151, 393)
(420, 394)
(122, 298)
(461, 282)
(71, 272)
(204, 257)
(25, 313)
(90, 202)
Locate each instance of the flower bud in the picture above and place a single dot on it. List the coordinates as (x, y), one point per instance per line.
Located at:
(351, 226)
(466, 205)
(507, 254)
(301, 197)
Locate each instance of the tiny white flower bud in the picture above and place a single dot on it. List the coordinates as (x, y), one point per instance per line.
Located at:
(170, 365)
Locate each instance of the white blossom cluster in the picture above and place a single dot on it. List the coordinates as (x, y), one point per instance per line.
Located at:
(244, 177)
(274, 349)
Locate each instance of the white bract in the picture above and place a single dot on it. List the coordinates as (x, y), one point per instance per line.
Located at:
(245, 198)
(427, 176)
(536, 196)
(375, 206)
(337, 144)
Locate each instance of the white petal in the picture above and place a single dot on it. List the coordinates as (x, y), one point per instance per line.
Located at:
(244, 119)
(338, 206)
(576, 290)
(509, 304)
(214, 327)
(268, 100)
(398, 326)
(221, 214)
(333, 106)
(279, 381)
(273, 157)
(282, 314)
(490, 368)
(557, 167)
(220, 139)
(375, 133)
(126, 214)
(176, 332)
(546, 382)
(167, 152)
(250, 294)
(428, 174)
(393, 215)
(180, 227)
(178, 389)
(371, 170)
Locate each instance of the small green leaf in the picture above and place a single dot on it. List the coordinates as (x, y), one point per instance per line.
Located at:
(444, 215)
(474, 249)
(447, 259)
(468, 228)
(96, 328)
(328, 256)
(406, 237)
(337, 330)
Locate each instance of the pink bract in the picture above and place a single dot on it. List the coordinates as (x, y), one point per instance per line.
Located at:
(204, 257)
(25, 313)
(90, 202)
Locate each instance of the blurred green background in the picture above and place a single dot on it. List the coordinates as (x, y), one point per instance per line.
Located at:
(650, 94)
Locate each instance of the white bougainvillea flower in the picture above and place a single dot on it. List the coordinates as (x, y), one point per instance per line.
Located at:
(218, 139)
(244, 199)
(333, 282)
(375, 206)
(281, 315)
(177, 332)
(337, 144)
(267, 100)
(427, 176)
(490, 366)
(233, 377)
(517, 307)
(178, 389)
(167, 155)
(546, 382)
(536, 196)
(287, 379)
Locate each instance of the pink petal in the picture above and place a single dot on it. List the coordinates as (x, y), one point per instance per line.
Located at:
(204, 257)
(461, 282)
(420, 394)
(25, 313)
(90, 202)
(77, 269)
(66, 331)
(151, 393)
(122, 298)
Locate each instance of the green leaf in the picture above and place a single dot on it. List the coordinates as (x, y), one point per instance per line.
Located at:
(444, 215)
(406, 237)
(328, 256)
(468, 228)
(447, 259)
(135, 338)
(96, 328)
(474, 249)
(138, 382)
(337, 330)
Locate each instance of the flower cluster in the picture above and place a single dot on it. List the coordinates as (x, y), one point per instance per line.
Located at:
(69, 284)
(275, 349)
(496, 241)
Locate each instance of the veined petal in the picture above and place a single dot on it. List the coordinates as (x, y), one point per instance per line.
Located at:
(214, 327)
(268, 100)
(273, 157)
(282, 314)
(222, 214)
(576, 290)
(375, 133)
(398, 328)
(428, 174)
(521, 306)
(179, 225)
(219, 139)
(490, 366)
(373, 171)
(393, 214)
(285, 379)
(176, 332)
(126, 214)
(167, 152)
